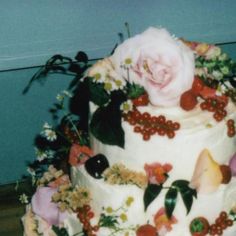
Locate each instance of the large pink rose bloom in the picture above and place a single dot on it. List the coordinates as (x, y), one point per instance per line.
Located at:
(163, 65)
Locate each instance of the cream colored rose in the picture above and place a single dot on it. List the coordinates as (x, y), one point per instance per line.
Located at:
(164, 66)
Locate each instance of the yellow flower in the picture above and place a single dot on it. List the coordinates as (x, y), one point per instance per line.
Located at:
(126, 233)
(97, 76)
(129, 201)
(123, 217)
(128, 61)
(108, 86)
(109, 210)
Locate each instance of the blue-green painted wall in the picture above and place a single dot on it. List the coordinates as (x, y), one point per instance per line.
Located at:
(32, 31)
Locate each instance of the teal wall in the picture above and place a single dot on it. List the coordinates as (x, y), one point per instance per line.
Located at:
(32, 31)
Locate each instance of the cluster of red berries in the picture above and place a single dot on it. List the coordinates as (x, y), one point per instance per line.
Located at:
(71, 135)
(216, 106)
(231, 128)
(148, 125)
(221, 223)
(85, 215)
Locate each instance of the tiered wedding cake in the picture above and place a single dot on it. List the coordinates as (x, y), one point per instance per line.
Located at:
(161, 158)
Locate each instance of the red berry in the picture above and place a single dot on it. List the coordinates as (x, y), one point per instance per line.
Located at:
(90, 215)
(141, 100)
(176, 125)
(188, 100)
(146, 136)
(137, 129)
(226, 174)
(229, 222)
(87, 208)
(223, 215)
(146, 230)
(170, 134)
(154, 119)
(146, 116)
(161, 119)
(161, 132)
(197, 85)
(204, 106)
(230, 122)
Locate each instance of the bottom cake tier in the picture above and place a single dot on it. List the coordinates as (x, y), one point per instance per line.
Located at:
(112, 199)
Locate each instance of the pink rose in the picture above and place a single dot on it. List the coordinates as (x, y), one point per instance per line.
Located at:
(43, 206)
(164, 66)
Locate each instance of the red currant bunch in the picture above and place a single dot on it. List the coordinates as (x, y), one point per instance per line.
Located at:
(85, 215)
(70, 134)
(221, 223)
(148, 125)
(216, 106)
(231, 128)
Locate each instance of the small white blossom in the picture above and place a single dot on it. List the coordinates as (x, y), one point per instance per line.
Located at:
(217, 74)
(59, 97)
(50, 134)
(24, 198)
(223, 57)
(46, 126)
(41, 155)
(31, 171)
(126, 106)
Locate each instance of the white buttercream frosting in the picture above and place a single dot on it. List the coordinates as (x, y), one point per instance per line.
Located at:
(198, 131)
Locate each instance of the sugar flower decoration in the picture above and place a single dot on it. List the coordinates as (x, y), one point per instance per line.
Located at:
(157, 173)
(119, 174)
(207, 175)
(79, 154)
(162, 222)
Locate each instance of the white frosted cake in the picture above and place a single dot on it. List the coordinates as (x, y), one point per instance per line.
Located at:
(161, 155)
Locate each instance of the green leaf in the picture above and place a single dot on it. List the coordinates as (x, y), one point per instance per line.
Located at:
(108, 221)
(135, 90)
(105, 125)
(151, 192)
(98, 94)
(60, 231)
(186, 192)
(170, 201)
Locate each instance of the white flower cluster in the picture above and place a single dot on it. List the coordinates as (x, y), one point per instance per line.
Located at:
(104, 72)
(48, 132)
(61, 96)
(42, 155)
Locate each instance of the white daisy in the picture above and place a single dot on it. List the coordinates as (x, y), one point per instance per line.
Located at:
(126, 106)
(50, 134)
(24, 198)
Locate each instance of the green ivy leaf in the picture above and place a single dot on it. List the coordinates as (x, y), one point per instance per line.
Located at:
(170, 201)
(98, 94)
(186, 192)
(105, 125)
(60, 231)
(151, 192)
